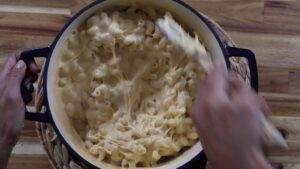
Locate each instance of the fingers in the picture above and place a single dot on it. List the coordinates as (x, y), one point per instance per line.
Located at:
(217, 80)
(9, 64)
(211, 92)
(240, 88)
(237, 85)
(214, 85)
(245, 98)
(238, 91)
(14, 79)
(264, 106)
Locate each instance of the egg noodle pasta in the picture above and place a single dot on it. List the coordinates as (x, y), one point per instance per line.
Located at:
(127, 89)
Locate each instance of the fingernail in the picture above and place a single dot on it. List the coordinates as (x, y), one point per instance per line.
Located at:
(20, 64)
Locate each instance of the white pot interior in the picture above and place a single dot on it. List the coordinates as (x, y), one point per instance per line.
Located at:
(60, 118)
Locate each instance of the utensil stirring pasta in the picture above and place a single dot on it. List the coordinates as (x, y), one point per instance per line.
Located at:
(178, 36)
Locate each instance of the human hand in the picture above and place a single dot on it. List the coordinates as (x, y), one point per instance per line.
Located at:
(227, 116)
(11, 103)
(12, 108)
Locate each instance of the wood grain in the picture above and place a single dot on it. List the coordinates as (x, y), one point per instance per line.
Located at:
(29, 162)
(29, 24)
(272, 50)
(283, 104)
(271, 28)
(252, 16)
(12, 43)
(274, 80)
(39, 3)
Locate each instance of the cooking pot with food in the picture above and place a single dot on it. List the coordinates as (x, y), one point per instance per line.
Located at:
(61, 122)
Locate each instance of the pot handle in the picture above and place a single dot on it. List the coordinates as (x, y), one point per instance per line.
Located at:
(250, 56)
(27, 56)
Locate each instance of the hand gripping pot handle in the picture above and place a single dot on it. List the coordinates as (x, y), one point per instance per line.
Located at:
(28, 56)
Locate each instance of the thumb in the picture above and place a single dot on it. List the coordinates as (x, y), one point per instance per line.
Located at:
(16, 75)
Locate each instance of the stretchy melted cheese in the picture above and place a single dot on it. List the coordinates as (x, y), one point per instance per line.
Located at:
(128, 90)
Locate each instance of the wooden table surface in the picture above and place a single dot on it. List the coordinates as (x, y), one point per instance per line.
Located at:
(271, 28)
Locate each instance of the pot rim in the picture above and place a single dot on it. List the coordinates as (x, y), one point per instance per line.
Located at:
(77, 156)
